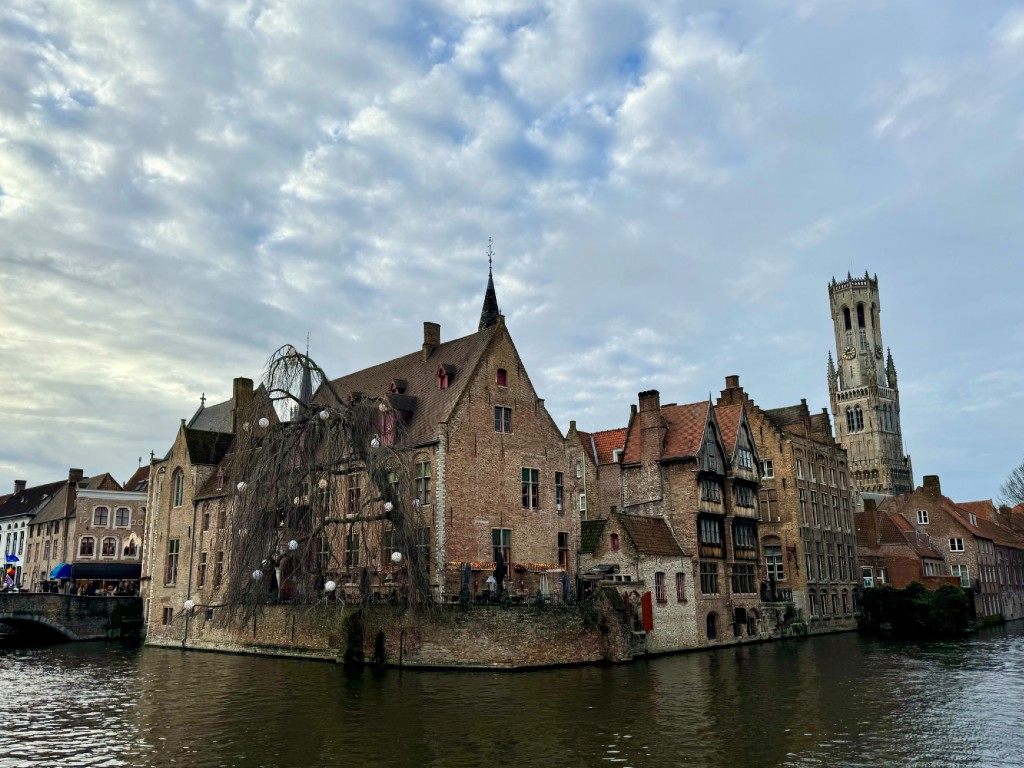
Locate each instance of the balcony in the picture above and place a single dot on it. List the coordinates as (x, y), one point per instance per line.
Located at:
(776, 594)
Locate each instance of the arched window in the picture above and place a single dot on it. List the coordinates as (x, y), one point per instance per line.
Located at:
(849, 420)
(712, 626)
(615, 542)
(846, 318)
(812, 602)
(860, 315)
(100, 517)
(131, 549)
(109, 547)
(858, 418)
(178, 487)
(846, 602)
(87, 547)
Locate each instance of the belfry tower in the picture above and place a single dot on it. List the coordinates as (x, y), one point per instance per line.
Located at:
(863, 390)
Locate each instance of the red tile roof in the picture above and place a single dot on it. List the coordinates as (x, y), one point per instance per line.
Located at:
(685, 428)
(985, 508)
(607, 441)
(729, 422)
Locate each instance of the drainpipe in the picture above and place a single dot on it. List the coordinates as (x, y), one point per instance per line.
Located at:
(191, 555)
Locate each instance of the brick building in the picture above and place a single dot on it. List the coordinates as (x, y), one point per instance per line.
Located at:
(806, 504)
(984, 553)
(677, 466)
(891, 551)
(490, 471)
(599, 464)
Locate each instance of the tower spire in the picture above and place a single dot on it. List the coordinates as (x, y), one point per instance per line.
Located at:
(306, 385)
(489, 313)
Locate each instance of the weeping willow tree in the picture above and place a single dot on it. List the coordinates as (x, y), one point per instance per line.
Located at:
(300, 533)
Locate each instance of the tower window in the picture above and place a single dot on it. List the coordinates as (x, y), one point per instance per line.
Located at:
(858, 418)
(846, 318)
(860, 315)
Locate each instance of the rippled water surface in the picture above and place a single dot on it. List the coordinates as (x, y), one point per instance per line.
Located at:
(829, 701)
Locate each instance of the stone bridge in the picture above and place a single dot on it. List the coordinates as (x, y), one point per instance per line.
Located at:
(72, 617)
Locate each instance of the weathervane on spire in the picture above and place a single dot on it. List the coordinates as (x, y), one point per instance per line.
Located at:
(490, 254)
(489, 313)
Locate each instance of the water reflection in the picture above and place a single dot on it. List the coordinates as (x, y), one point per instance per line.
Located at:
(837, 700)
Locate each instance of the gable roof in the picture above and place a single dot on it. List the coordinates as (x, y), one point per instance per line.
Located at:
(686, 425)
(138, 481)
(31, 500)
(606, 442)
(729, 417)
(213, 418)
(431, 405)
(650, 535)
(782, 417)
(983, 508)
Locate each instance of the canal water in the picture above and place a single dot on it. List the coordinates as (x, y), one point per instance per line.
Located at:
(828, 701)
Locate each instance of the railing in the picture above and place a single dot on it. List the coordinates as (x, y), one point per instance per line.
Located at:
(776, 595)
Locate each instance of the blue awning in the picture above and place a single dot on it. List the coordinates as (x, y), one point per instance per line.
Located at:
(62, 571)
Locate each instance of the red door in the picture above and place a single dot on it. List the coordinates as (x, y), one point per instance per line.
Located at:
(647, 610)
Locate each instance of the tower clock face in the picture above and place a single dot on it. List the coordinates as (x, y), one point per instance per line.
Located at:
(849, 353)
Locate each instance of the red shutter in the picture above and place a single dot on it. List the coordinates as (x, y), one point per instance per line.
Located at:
(647, 610)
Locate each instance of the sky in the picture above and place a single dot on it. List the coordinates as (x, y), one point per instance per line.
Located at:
(670, 187)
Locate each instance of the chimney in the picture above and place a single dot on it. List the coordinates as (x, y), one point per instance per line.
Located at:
(732, 382)
(932, 485)
(870, 505)
(431, 338)
(572, 426)
(75, 475)
(650, 400)
(241, 400)
(652, 426)
(19, 486)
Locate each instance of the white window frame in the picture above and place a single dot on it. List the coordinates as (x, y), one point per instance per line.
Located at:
(922, 517)
(959, 542)
(767, 469)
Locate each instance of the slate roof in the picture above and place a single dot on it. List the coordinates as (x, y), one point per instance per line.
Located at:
(729, 422)
(781, 417)
(590, 535)
(650, 535)
(31, 500)
(432, 405)
(606, 442)
(213, 418)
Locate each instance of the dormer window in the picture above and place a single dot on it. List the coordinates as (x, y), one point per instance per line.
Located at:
(444, 376)
(617, 456)
(397, 387)
(502, 378)
(615, 542)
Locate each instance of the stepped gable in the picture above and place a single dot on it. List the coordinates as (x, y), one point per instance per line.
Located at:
(606, 442)
(650, 535)
(430, 404)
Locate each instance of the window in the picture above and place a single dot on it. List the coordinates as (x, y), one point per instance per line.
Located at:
(710, 531)
(209, 614)
(171, 572)
(821, 474)
(583, 502)
(218, 569)
(846, 603)
(131, 550)
(810, 469)
(109, 547)
(354, 493)
(956, 545)
(846, 319)
(422, 535)
(502, 377)
(814, 508)
(531, 488)
(559, 490)
(746, 458)
(867, 576)
(502, 419)
(222, 516)
(962, 572)
(86, 547)
(168, 616)
(744, 495)
(442, 377)
(709, 578)
(711, 459)
(423, 482)
(659, 587)
(744, 535)
(710, 490)
(824, 604)
(201, 573)
(388, 545)
(858, 418)
(680, 587)
(803, 505)
(100, 517)
(831, 564)
(178, 487)
(743, 579)
(922, 517)
(842, 480)
(563, 550)
(206, 517)
(768, 469)
(615, 542)
(352, 550)
(712, 626)
(46, 548)
(799, 470)
(832, 477)
(122, 517)
(501, 544)
(773, 562)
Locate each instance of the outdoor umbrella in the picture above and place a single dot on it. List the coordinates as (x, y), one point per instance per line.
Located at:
(62, 571)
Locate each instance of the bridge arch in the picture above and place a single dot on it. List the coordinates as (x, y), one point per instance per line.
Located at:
(20, 620)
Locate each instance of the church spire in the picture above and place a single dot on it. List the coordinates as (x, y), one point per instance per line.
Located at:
(306, 384)
(489, 313)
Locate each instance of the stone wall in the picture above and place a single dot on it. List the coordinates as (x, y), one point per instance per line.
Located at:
(76, 617)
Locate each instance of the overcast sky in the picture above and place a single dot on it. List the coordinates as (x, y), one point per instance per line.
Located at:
(186, 186)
